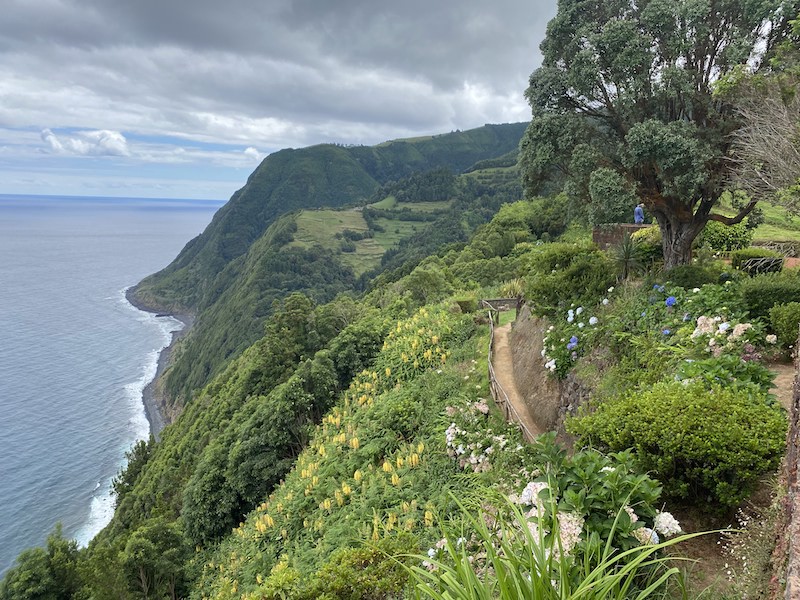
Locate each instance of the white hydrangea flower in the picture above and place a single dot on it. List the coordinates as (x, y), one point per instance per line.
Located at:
(605, 301)
(530, 495)
(592, 320)
(570, 526)
(739, 330)
(666, 524)
(772, 338)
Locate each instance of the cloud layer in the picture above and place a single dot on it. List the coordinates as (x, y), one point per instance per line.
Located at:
(119, 79)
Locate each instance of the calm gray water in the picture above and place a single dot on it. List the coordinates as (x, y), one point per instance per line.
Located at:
(74, 355)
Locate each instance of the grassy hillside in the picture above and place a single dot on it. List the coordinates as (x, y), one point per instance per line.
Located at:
(320, 176)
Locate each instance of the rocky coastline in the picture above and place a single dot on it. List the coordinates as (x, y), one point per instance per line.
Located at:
(153, 394)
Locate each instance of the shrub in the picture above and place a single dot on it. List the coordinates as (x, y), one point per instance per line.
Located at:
(585, 280)
(551, 257)
(728, 370)
(762, 292)
(706, 445)
(467, 305)
(692, 276)
(362, 573)
(648, 242)
(785, 319)
(739, 257)
(725, 238)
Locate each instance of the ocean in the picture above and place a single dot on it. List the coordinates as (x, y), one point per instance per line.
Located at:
(74, 354)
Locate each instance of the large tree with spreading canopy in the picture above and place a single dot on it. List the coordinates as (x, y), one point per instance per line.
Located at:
(624, 109)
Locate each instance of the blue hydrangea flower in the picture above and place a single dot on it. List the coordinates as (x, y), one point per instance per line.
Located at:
(666, 331)
(670, 301)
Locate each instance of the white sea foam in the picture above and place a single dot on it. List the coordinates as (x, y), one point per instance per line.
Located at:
(102, 504)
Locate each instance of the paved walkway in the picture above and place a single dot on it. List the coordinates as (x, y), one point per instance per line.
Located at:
(504, 372)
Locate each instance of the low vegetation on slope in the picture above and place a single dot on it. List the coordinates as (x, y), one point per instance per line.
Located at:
(345, 435)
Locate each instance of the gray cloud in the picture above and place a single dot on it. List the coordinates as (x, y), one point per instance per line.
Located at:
(261, 74)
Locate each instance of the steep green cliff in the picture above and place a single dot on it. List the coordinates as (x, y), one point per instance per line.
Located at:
(248, 257)
(324, 175)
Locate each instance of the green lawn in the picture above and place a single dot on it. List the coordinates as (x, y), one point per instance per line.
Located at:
(321, 226)
(778, 225)
(394, 231)
(387, 203)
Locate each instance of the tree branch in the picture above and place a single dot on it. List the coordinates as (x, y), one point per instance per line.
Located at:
(738, 218)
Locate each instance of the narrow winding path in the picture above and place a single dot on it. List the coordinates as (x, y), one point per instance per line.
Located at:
(504, 372)
(783, 387)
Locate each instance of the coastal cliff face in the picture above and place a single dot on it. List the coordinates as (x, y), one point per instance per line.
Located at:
(248, 258)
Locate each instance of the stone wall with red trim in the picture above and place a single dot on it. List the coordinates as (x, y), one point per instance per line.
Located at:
(606, 236)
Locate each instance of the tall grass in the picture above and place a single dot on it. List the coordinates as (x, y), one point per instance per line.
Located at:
(512, 562)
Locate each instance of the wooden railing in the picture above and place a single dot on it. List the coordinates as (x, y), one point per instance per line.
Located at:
(498, 393)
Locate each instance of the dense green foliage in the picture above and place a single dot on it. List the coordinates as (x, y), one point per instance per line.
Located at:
(696, 275)
(762, 292)
(785, 319)
(707, 445)
(726, 237)
(248, 290)
(49, 573)
(562, 274)
(623, 107)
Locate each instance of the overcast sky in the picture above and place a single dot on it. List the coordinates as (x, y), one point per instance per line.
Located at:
(183, 98)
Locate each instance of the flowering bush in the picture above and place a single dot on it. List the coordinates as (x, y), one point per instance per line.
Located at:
(568, 338)
(720, 334)
(574, 515)
(589, 491)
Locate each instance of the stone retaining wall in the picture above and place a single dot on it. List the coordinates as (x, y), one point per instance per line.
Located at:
(612, 234)
(787, 551)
